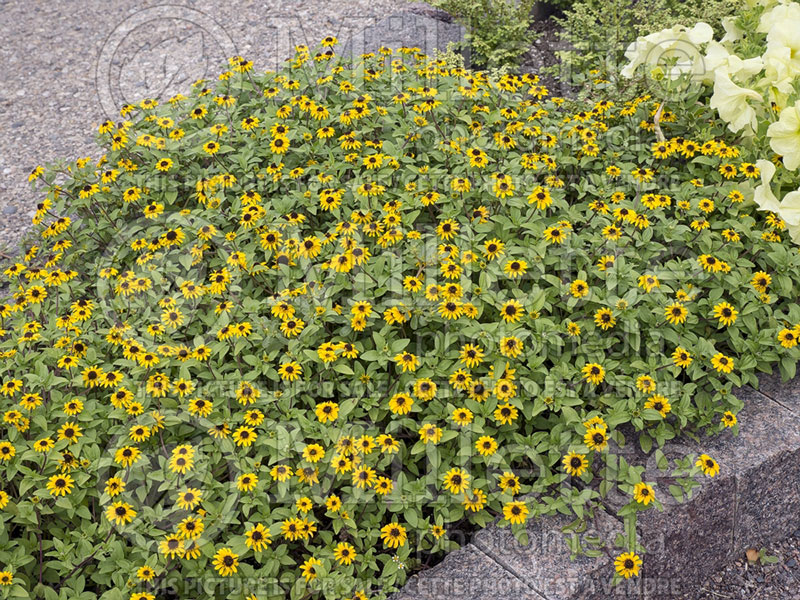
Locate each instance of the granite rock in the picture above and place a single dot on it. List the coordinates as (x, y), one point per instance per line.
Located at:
(787, 394)
(545, 564)
(424, 29)
(466, 574)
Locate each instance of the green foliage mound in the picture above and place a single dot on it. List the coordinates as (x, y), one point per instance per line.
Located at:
(296, 333)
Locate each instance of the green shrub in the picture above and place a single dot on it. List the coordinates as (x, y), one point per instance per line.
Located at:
(358, 311)
(498, 31)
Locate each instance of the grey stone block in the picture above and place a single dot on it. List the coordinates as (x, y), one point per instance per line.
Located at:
(765, 458)
(786, 394)
(753, 500)
(545, 564)
(687, 541)
(427, 32)
(466, 574)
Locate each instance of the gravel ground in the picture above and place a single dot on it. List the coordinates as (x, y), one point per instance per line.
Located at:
(753, 581)
(65, 65)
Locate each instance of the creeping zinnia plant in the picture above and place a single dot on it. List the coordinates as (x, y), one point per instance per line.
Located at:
(301, 330)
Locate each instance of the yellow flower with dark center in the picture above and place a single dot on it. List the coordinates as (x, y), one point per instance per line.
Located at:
(363, 477)
(430, 433)
(643, 174)
(511, 346)
(509, 483)
(649, 283)
(408, 361)
(627, 565)
(722, 363)
(43, 445)
(120, 513)
(575, 464)
(728, 419)
(788, 337)
(541, 197)
(145, 573)
(327, 412)
(139, 433)
(393, 535)
(643, 493)
(7, 451)
(681, 357)
(475, 500)
(189, 498)
(645, 383)
(511, 311)
(726, 313)
(676, 313)
(164, 165)
(761, 281)
(245, 436)
(506, 414)
(708, 465)
(493, 248)
(425, 389)
(60, 485)
(728, 171)
(281, 473)
(70, 431)
(594, 373)
(604, 318)
(515, 268)
(257, 538)
(596, 438)
(579, 288)
(226, 562)
(181, 464)
(450, 309)
(658, 403)
(486, 445)
(515, 512)
(555, 235)
(471, 355)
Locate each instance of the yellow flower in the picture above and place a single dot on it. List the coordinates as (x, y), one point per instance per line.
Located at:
(722, 363)
(486, 445)
(407, 361)
(726, 313)
(594, 373)
(257, 537)
(575, 464)
(627, 565)
(226, 562)
(60, 485)
(120, 513)
(596, 438)
(515, 512)
(393, 535)
(643, 493)
(345, 553)
(728, 419)
(676, 313)
(708, 465)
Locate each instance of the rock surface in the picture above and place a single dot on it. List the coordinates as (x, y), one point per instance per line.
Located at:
(423, 28)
